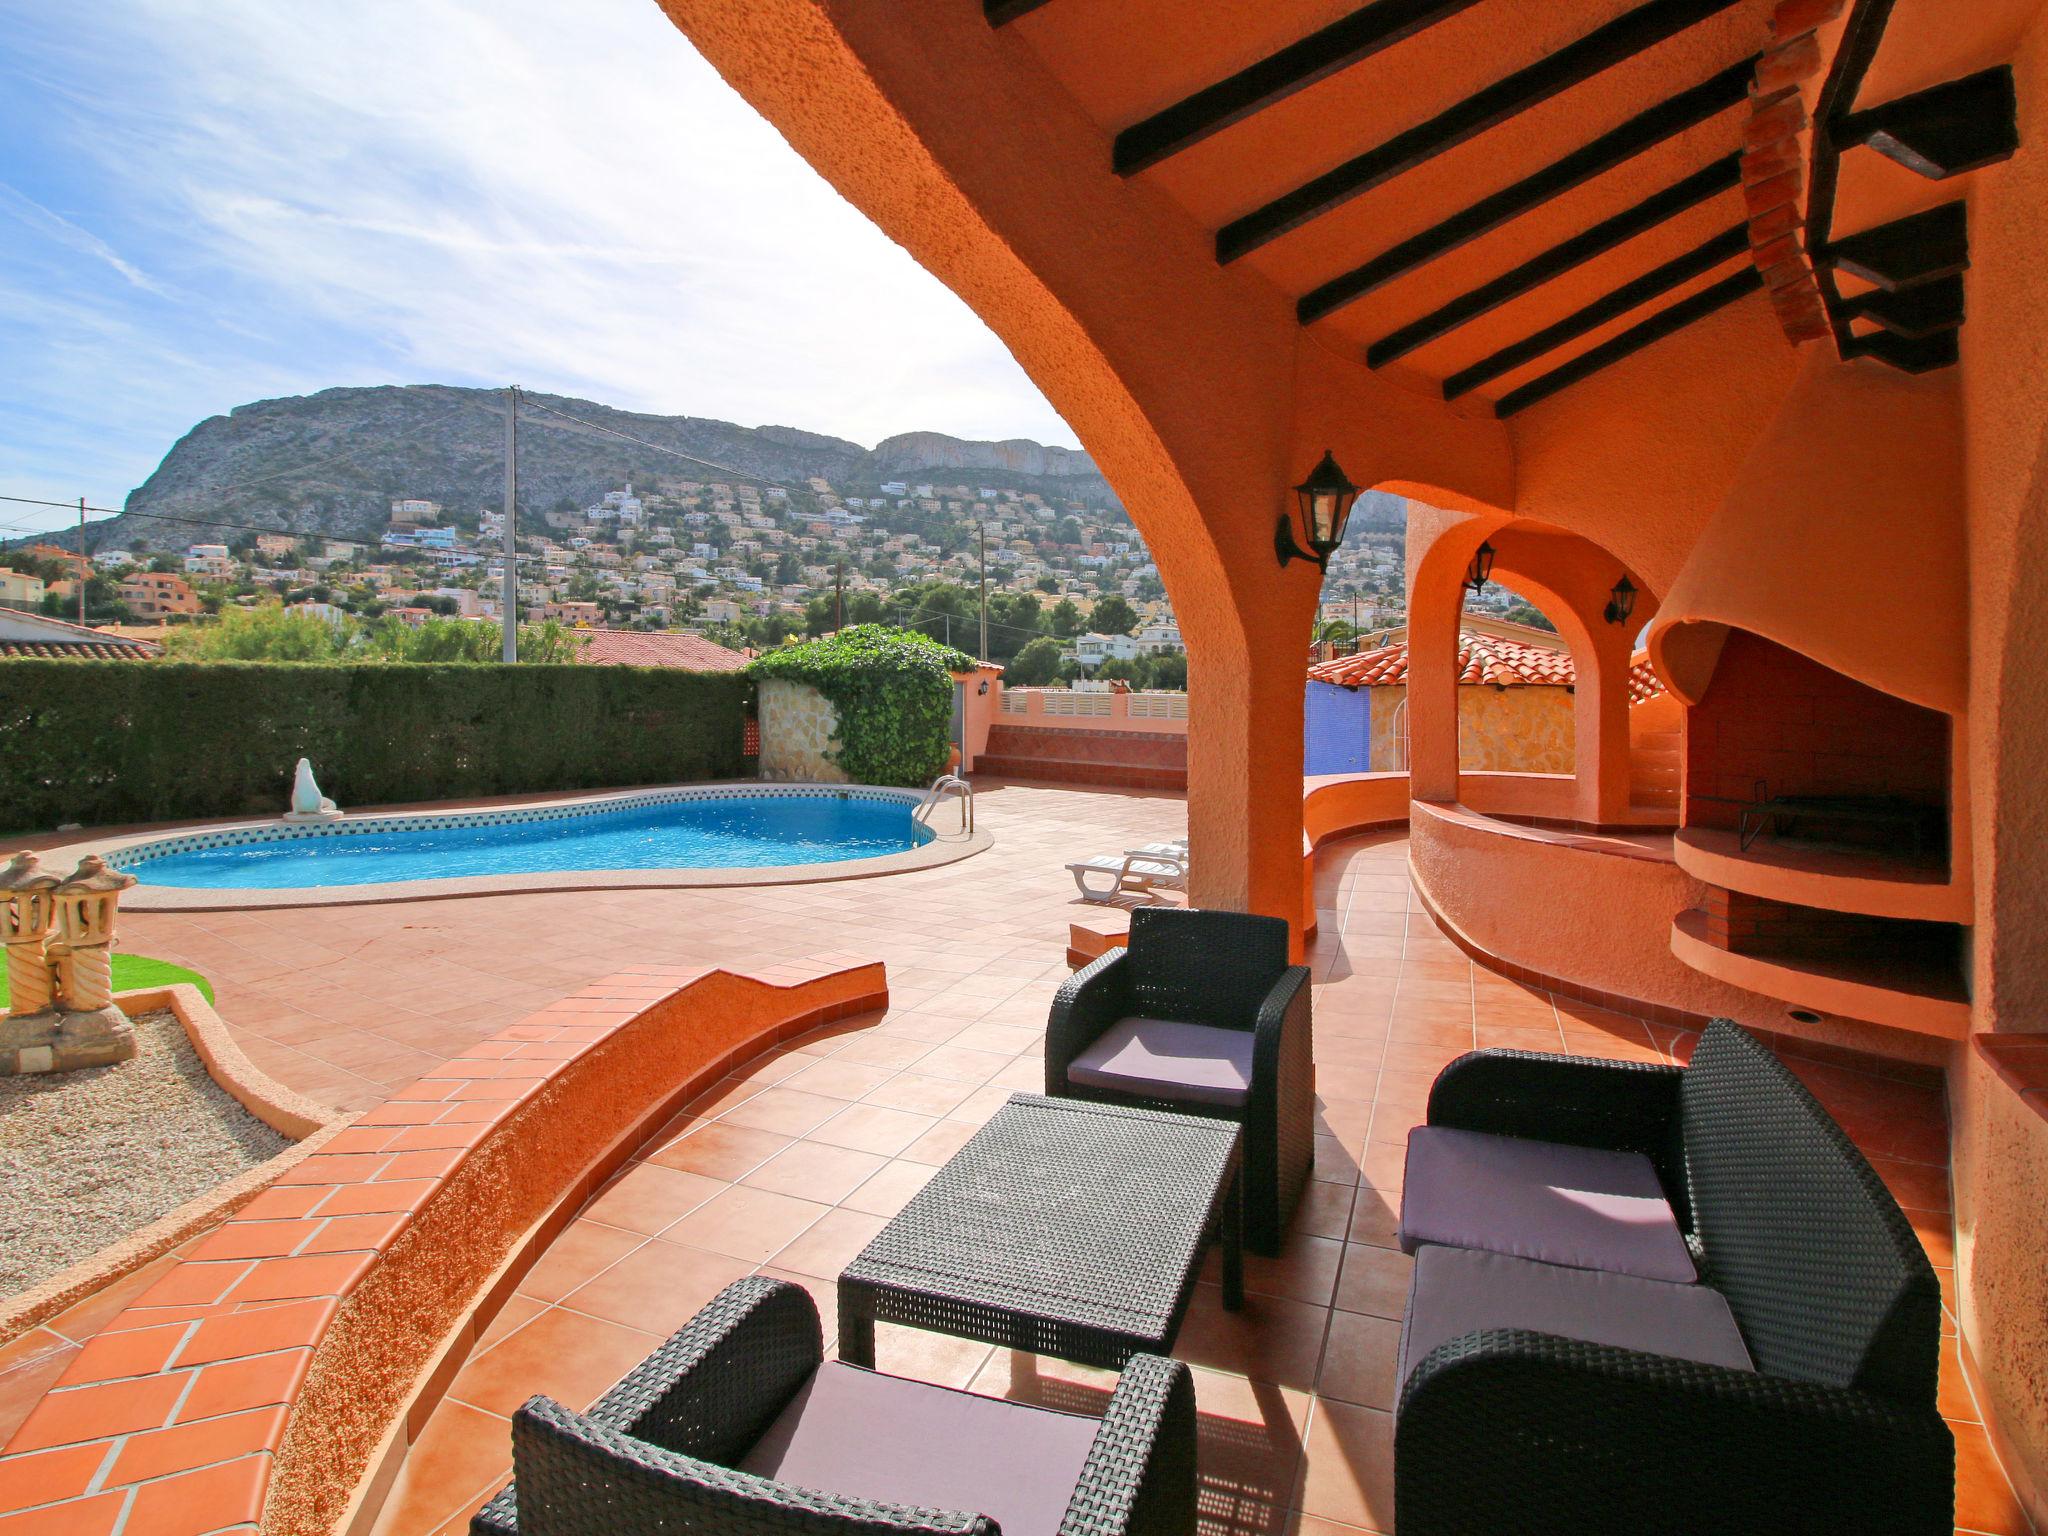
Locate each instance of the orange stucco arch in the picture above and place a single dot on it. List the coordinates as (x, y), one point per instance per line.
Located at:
(1192, 386)
(1570, 578)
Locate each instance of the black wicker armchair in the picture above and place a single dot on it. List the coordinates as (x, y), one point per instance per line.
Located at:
(1201, 1014)
(1789, 1388)
(738, 1425)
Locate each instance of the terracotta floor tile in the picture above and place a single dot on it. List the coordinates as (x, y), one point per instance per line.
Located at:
(1374, 1280)
(1358, 1360)
(1336, 1162)
(830, 1244)
(871, 1128)
(746, 1223)
(1324, 1209)
(569, 1356)
(515, 1314)
(939, 1143)
(783, 1111)
(648, 1197)
(657, 1287)
(1984, 1499)
(1375, 1217)
(815, 1171)
(837, 1078)
(461, 1452)
(582, 1251)
(33, 1373)
(890, 1190)
(922, 1095)
(963, 1065)
(1348, 1466)
(1304, 1270)
(1248, 1438)
(934, 1357)
(878, 1050)
(1271, 1339)
(718, 1150)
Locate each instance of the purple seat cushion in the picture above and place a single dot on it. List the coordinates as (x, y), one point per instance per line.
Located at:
(866, 1436)
(1168, 1059)
(1456, 1291)
(1540, 1200)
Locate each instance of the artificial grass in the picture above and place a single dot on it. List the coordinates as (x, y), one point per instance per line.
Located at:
(132, 971)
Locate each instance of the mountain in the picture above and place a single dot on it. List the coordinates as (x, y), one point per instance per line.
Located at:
(330, 464)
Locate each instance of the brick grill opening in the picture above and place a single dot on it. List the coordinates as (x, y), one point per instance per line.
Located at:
(1774, 716)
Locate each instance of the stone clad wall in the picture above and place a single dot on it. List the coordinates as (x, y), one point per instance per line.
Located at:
(1500, 730)
(797, 727)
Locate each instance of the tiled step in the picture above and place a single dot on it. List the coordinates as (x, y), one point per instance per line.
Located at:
(1111, 775)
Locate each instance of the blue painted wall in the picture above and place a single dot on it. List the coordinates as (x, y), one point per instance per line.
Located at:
(1337, 725)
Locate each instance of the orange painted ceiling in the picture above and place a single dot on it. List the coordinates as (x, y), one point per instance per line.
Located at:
(1124, 60)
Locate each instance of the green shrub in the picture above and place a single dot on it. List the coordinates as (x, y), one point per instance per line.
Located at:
(100, 742)
(892, 690)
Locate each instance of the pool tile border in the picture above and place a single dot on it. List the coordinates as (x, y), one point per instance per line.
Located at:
(137, 851)
(190, 1409)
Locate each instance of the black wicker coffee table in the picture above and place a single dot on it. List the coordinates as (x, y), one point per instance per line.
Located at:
(1062, 1228)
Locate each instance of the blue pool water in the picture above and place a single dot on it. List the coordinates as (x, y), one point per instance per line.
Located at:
(716, 832)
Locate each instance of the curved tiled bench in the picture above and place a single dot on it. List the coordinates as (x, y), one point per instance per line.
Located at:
(269, 1381)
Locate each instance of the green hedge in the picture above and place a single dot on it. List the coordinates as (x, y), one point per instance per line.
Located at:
(100, 742)
(892, 690)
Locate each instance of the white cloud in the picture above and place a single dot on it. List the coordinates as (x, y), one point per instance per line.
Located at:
(18, 205)
(467, 191)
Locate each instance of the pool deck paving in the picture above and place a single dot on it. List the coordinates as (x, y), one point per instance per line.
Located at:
(346, 1004)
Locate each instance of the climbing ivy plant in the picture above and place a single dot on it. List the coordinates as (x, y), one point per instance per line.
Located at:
(892, 690)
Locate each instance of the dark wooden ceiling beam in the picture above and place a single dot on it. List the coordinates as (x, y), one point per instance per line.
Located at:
(1609, 306)
(1000, 12)
(1665, 322)
(1665, 120)
(1908, 354)
(1721, 176)
(1960, 125)
(1914, 313)
(1919, 248)
(1296, 67)
(1601, 49)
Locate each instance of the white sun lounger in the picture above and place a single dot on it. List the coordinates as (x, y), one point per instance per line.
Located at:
(1156, 866)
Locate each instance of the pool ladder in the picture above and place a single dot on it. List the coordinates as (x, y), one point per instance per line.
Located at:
(947, 784)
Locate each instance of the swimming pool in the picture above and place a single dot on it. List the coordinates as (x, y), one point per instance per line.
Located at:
(678, 830)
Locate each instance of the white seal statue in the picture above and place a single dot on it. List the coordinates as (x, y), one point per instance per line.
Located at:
(308, 804)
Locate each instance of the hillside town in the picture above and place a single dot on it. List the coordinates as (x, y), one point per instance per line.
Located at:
(745, 564)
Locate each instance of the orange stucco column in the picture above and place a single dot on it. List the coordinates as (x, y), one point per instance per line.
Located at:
(1440, 548)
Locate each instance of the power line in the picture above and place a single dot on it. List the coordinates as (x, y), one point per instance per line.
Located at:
(723, 469)
(161, 517)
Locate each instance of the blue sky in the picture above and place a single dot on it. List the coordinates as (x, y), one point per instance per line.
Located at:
(206, 202)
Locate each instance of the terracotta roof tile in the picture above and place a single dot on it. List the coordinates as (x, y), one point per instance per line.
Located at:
(636, 648)
(1481, 659)
(109, 649)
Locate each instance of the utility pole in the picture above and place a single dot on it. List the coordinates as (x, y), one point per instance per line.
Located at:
(838, 596)
(509, 589)
(981, 538)
(78, 573)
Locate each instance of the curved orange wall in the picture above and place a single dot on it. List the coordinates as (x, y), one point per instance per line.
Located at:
(2002, 1160)
(1842, 537)
(1563, 905)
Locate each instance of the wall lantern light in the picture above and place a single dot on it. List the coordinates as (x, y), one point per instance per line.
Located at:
(1326, 497)
(1480, 571)
(1621, 601)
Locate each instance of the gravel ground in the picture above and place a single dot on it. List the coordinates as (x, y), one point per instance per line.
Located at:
(87, 1157)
